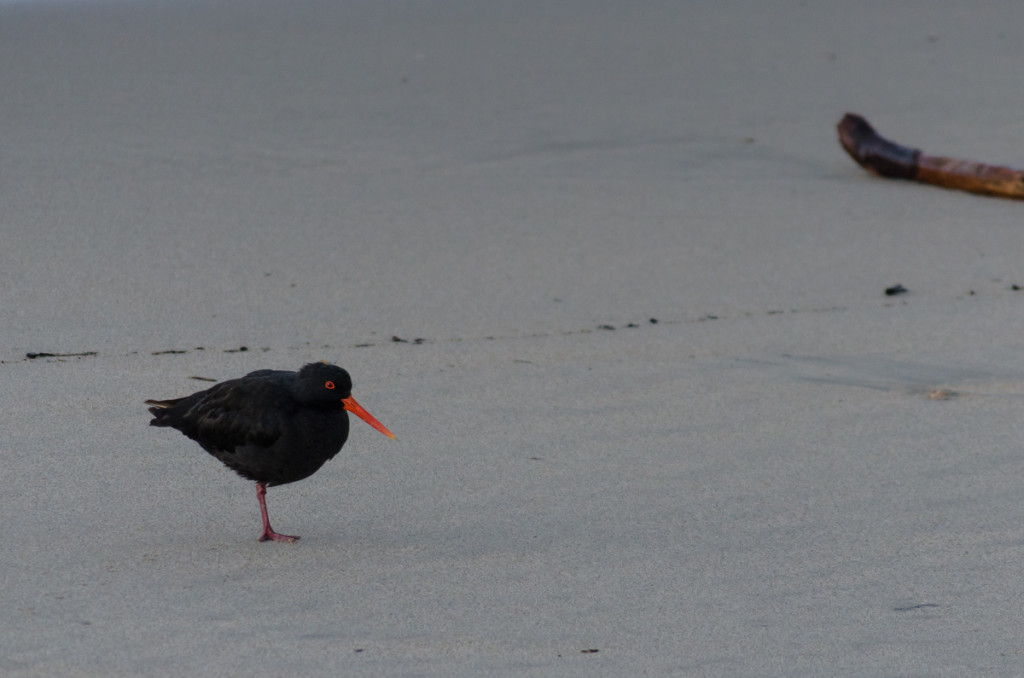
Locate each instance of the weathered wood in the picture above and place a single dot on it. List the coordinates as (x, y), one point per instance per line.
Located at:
(974, 177)
(874, 152)
(885, 158)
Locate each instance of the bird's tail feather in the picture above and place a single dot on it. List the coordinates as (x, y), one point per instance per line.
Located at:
(158, 410)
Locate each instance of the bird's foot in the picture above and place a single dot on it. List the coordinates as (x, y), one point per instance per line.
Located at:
(270, 535)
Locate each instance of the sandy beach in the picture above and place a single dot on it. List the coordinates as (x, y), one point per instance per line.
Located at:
(602, 268)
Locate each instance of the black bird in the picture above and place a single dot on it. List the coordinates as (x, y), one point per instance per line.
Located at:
(271, 426)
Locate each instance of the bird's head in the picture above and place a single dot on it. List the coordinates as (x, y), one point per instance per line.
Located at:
(322, 383)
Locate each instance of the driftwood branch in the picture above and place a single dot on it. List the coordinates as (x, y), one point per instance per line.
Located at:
(888, 159)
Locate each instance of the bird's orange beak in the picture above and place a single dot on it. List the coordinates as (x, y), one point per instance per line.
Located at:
(355, 408)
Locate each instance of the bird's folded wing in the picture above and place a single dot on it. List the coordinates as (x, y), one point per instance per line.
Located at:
(224, 421)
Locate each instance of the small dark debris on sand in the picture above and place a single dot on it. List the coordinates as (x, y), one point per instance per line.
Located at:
(398, 340)
(894, 290)
(33, 356)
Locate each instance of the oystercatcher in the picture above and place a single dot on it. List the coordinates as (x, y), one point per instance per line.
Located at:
(270, 426)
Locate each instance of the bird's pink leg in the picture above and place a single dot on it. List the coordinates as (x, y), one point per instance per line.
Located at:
(268, 531)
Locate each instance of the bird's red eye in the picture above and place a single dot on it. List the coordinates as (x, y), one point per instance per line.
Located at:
(329, 385)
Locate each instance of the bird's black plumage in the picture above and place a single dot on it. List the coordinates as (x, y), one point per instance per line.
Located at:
(270, 426)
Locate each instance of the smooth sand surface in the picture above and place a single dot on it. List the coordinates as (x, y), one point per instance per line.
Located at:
(788, 474)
